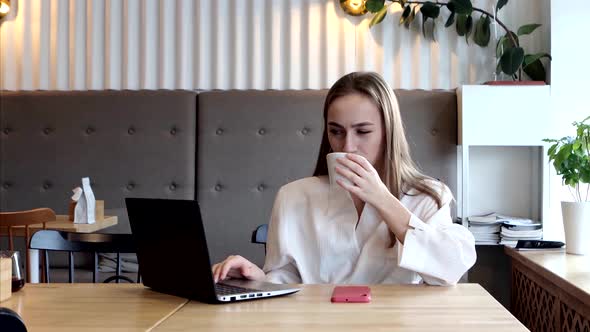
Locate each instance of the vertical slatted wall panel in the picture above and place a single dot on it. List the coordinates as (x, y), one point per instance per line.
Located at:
(230, 44)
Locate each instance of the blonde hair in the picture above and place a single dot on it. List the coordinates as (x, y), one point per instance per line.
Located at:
(400, 173)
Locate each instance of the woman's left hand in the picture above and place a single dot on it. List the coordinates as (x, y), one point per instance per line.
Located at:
(366, 182)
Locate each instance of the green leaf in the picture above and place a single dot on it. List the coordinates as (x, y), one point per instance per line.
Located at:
(551, 150)
(498, 68)
(571, 182)
(434, 30)
(499, 47)
(535, 70)
(379, 16)
(505, 43)
(451, 7)
(430, 10)
(405, 14)
(468, 28)
(501, 3)
(461, 25)
(530, 58)
(564, 152)
(374, 6)
(527, 29)
(577, 145)
(463, 7)
(450, 20)
(511, 60)
(428, 27)
(411, 18)
(482, 31)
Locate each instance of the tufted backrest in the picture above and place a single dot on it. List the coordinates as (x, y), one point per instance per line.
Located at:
(131, 143)
(239, 147)
(250, 143)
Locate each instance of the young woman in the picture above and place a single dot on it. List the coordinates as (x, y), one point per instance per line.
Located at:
(391, 224)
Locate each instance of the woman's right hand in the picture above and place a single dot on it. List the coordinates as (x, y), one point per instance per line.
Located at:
(237, 267)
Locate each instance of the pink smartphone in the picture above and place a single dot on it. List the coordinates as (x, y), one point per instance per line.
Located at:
(351, 294)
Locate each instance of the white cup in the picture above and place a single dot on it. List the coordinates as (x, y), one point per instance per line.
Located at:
(332, 163)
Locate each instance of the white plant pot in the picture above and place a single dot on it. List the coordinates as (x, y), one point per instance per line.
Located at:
(576, 224)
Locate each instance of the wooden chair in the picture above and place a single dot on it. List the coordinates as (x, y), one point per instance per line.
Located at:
(18, 219)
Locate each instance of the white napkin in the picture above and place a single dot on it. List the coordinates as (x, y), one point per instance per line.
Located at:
(86, 204)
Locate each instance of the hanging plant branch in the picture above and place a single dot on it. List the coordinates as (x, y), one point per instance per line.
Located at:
(512, 59)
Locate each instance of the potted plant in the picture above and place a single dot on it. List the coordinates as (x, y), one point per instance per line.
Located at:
(571, 159)
(512, 59)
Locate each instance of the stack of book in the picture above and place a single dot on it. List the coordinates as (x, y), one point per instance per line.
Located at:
(485, 229)
(494, 228)
(520, 229)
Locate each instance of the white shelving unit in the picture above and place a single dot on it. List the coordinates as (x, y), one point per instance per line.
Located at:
(502, 163)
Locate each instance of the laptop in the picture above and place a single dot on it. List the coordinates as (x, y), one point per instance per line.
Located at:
(173, 255)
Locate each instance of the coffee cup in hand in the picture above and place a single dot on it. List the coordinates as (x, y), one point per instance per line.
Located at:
(332, 163)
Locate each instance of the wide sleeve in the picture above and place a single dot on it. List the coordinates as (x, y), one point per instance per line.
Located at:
(440, 251)
(279, 265)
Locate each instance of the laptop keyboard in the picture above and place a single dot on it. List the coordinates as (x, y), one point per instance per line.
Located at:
(228, 290)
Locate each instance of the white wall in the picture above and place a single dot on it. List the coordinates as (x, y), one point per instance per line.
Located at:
(569, 86)
(227, 44)
(506, 180)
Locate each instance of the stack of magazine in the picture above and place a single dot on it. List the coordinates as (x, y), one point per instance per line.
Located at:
(494, 228)
(520, 229)
(485, 229)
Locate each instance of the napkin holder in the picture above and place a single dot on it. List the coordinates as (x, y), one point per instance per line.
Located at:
(5, 278)
(99, 210)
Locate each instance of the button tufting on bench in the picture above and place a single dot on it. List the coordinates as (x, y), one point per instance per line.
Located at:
(219, 131)
(304, 131)
(218, 187)
(261, 187)
(89, 130)
(131, 131)
(173, 131)
(7, 131)
(47, 131)
(46, 185)
(6, 185)
(172, 186)
(261, 131)
(130, 186)
(434, 132)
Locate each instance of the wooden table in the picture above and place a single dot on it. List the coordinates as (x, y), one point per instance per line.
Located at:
(551, 290)
(465, 307)
(91, 307)
(131, 307)
(61, 223)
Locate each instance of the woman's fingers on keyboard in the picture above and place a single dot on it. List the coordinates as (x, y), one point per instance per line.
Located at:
(236, 267)
(232, 267)
(218, 270)
(215, 271)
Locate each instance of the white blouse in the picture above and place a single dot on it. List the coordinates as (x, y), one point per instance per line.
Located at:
(312, 239)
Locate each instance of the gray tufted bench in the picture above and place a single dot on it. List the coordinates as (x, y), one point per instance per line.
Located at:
(231, 150)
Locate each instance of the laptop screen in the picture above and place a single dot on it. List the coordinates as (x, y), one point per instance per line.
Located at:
(171, 247)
